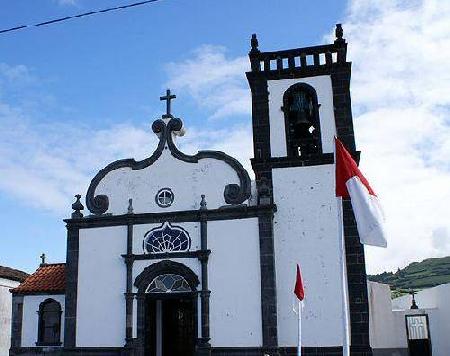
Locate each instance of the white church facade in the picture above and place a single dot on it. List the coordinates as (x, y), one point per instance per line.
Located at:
(185, 255)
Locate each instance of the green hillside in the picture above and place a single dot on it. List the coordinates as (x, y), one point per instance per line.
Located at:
(417, 275)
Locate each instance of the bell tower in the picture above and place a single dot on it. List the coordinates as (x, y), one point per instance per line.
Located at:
(300, 101)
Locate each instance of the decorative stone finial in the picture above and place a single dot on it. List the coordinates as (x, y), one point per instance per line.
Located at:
(413, 304)
(254, 43)
(77, 207)
(203, 203)
(42, 257)
(130, 206)
(339, 32)
(264, 191)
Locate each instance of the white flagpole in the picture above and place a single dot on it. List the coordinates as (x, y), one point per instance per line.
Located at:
(345, 311)
(299, 353)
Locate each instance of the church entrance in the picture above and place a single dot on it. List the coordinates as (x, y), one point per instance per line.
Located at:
(170, 324)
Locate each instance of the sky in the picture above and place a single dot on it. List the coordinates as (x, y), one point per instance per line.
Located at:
(77, 95)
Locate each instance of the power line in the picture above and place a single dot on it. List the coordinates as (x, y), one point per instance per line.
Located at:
(89, 13)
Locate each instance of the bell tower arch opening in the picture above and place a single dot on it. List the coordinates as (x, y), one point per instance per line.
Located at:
(302, 123)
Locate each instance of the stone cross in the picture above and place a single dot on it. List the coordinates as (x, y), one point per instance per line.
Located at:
(42, 257)
(168, 98)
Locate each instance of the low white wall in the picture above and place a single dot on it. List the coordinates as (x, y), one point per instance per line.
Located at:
(387, 329)
(101, 287)
(30, 321)
(5, 314)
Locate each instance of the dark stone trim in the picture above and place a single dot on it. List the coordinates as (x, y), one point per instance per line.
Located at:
(284, 162)
(279, 351)
(41, 321)
(129, 287)
(268, 282)
(98, 204)
(233, 193)
(16, 322)
(150, 272)
(203, 343)
(70, 321)
(200, 254)
(355, 259)
(59, 292)
(223, 213)
(145, 278)
(263, 173)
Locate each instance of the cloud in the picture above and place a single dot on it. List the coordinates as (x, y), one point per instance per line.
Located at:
(216, 82)
(400, 86)
(400, 94)
(44, 163)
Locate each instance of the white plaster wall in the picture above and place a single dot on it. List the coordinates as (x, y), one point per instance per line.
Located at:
(322, 85)
(139, 231)
(101, 287)
(235, 283)
(307, 231)
(188, 182)
(5, 314)
(386, 329)
(30, 319)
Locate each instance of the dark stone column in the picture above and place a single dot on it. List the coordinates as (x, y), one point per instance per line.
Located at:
(129, 287)
(70, 320)
(268, 282)
(16, 323)
(203, 345)
(355, 260)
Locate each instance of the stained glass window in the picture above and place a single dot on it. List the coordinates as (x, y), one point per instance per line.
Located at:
(167, 238)
(168, 283)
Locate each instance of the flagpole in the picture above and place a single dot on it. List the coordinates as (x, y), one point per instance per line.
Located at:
(299, 353)
(345, 316)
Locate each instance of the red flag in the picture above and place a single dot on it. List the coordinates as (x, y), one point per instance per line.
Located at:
(350, 182)
(299, 290)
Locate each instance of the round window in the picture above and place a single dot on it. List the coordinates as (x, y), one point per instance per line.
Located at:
(164, 197)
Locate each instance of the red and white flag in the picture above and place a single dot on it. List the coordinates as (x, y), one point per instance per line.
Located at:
(299, 291)
(351, 183)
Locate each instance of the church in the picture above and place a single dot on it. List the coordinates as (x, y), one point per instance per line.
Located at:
(183, 254)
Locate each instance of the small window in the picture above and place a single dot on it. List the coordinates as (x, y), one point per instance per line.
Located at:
(301, 113)
(49, 332)
(164, 197)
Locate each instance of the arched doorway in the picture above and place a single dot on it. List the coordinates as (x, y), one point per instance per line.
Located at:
(167, 309)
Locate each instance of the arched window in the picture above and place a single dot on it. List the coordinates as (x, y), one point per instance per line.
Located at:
(301, 114)
(49, 331)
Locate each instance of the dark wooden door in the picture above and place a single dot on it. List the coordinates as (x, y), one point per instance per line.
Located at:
(178, 326)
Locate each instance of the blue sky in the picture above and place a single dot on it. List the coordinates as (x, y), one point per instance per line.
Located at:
(79, 94)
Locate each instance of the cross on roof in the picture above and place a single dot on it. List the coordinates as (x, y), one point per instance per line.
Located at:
(168, 98)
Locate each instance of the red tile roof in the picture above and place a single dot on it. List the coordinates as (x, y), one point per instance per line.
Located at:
(12, 274)
(48, 278)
